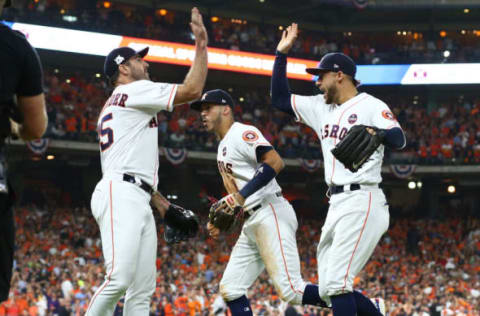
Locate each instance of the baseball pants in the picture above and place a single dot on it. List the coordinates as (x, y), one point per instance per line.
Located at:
(129, 245)
(267, 241)
(355, 222)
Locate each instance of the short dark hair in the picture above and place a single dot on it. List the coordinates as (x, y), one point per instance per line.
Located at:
(112, 81)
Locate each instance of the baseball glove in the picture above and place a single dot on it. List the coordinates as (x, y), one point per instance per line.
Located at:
(224, 213)
(180, 224)
(357, 146)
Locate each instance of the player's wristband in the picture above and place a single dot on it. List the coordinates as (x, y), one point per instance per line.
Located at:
(264, 175)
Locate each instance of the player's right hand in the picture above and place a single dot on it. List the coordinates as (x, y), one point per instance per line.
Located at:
(213, 231)
(198, 29)
(288, 38)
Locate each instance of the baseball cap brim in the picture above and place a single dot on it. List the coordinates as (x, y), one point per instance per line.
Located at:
(197, 105)
(143, 52)
(318, 71)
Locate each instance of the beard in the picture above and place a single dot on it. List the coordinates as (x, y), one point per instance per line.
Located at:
(140, 74)
(330, 94)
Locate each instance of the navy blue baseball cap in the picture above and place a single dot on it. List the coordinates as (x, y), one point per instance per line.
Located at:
(119, 56)
(217, 97)
(335, 62)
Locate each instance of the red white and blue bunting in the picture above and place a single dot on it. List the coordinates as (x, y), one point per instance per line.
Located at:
(360, 4)
(402, 171)
(38, 146)
(175, 155)
(310, 165)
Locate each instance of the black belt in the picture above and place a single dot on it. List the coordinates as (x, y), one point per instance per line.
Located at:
(335, 189)
(258, 206)
(143, 185)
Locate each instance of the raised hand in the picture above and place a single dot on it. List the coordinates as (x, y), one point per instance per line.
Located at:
(198, 29)
(288, 38)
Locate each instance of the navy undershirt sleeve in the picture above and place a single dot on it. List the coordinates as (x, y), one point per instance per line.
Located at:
(279, 88)
(395, 138)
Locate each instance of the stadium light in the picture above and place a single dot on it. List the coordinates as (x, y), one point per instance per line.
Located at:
(50, 157)
(107, 4)
(162, 12)
(451, 189)
(443, 33)
(412, 185)
(466, 10)
(68, 81)
(98, 75)
(214, 19)
(419, 184)
(446, 54)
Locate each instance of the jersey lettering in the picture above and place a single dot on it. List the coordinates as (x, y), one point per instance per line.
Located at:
(106, 131)
(325, 132)
(118, 99)
(333, 133)
(225, 167)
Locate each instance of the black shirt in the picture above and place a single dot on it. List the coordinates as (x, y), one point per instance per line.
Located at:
(20, 69)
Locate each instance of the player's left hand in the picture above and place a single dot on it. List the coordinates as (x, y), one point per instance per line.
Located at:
(198, 29)
(288, 38)
(358, 145)
(159, 203)
(223, 214)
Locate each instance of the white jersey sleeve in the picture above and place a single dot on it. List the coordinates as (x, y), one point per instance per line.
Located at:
(148, 96)
(308, 109)
(250, 140)
(382, 116)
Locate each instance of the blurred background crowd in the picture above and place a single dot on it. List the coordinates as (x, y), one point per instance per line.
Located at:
(449, 132)
(429, 265)
(365, 47)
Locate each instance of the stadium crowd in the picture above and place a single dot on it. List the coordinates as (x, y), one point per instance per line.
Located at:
(449, 132)
(422, 267)
(374, 47)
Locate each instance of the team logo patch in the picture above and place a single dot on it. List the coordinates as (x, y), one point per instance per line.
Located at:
(388, 115)
(352, 118)
(224, 151)
(249, 136)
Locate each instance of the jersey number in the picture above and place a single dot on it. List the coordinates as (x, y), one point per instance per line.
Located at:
(106, 131)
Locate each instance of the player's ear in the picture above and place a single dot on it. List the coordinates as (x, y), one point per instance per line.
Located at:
(123, 69)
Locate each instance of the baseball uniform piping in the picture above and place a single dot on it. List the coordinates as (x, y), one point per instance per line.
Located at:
(170, 100)
(295, 108)
(281, 249)
(335, 140)
(113, 253)
(358, 240)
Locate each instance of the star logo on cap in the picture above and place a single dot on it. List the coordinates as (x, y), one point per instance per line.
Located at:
(204, 96)
(224, 101)
(119, 59)
(335, 66)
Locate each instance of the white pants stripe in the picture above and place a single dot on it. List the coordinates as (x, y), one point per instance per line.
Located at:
(267, 241)
(129, 246)
(355, 222)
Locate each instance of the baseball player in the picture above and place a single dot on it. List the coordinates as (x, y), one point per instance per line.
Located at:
(268, 238)
(127, 128)
(358, 213)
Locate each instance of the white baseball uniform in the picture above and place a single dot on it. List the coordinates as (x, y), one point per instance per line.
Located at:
(127, 128)
(357, 219)
(268, 238)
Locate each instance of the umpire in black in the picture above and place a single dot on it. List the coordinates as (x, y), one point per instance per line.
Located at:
(23, 115)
